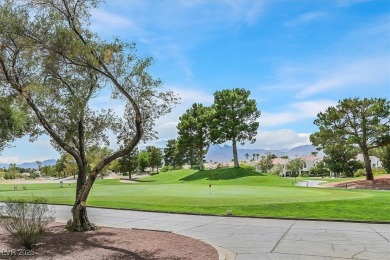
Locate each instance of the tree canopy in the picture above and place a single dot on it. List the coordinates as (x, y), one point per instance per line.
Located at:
(353, 121)
(52, 63)
(234, 119)
(13, 121)
(193, 130)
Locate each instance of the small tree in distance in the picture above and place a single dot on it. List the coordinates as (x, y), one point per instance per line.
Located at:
(143, 160)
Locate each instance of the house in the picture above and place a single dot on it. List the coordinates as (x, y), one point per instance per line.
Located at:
(283, 163)
(375, 162)
(310, 162)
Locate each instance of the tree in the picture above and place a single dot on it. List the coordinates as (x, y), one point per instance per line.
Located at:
(94, 155)
(52, 63)
(265, 164)
(155, 157)
(235, 118)
(319, 170)
(246, 156)
(383, 153)
(257, 156)
(48, 170)
(13, 121)
(143, 160)
(39, 165)
(364, 123)
(129, 162)
(172, 155)
(342, 159)
(193, 130)
(66, 166)
(295, 166)
(13, 171)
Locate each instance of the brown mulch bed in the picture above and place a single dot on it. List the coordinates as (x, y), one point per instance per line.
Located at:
(109, 243)
(379, 183)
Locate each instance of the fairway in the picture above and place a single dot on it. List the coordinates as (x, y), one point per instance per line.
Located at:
(242, 191)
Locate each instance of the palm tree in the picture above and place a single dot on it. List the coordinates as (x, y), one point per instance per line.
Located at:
(253, 157)
(246, 156)
(257, 156)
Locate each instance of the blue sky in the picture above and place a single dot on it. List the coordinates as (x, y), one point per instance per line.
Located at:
(296, 57)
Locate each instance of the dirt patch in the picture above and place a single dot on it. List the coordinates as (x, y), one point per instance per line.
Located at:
(109, 243)
(379, 183)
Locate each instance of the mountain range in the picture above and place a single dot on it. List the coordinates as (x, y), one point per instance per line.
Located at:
(224, 153)
(32, 165)
(216, 153)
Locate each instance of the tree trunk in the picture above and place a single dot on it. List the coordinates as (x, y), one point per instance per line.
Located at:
(367, 165)
(80, 221)
(235, 157)
(201, 158)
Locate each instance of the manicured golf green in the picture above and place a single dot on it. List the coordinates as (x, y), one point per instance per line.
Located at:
(244, 192)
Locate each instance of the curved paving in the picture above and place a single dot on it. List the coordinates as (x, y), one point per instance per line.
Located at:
(256, 238)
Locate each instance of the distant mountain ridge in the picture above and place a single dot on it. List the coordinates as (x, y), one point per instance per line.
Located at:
(216, 153)
(224, 153)
(32, 165)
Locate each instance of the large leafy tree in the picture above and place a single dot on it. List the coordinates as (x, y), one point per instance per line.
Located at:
(235, 118)
(193, 130)
(342, 159)
(52, 63)
(361, 122)
(13, 121)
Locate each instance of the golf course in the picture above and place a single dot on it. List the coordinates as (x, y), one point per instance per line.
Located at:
(214, 192)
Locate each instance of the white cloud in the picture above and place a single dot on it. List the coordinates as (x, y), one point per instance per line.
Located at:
(11, 159)
(279, 139)
(356, 73)
(295, 112)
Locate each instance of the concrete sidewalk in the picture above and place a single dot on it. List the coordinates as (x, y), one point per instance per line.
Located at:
(251, 238)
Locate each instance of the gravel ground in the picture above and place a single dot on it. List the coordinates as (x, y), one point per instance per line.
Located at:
(109, 243)
(379, 183)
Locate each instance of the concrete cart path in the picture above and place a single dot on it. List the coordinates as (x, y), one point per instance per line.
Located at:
(256, 238)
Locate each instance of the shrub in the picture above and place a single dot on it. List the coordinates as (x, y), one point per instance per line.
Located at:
(166, 168)
(26, 221)
(360, 172)
(248, 167)
(379, 171)
(276, 170)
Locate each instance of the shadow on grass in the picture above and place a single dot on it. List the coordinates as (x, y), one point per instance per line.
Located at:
(221, 174)
(135, 180)
(141, 180)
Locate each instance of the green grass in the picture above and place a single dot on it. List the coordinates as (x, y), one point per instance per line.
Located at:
(244, 192)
